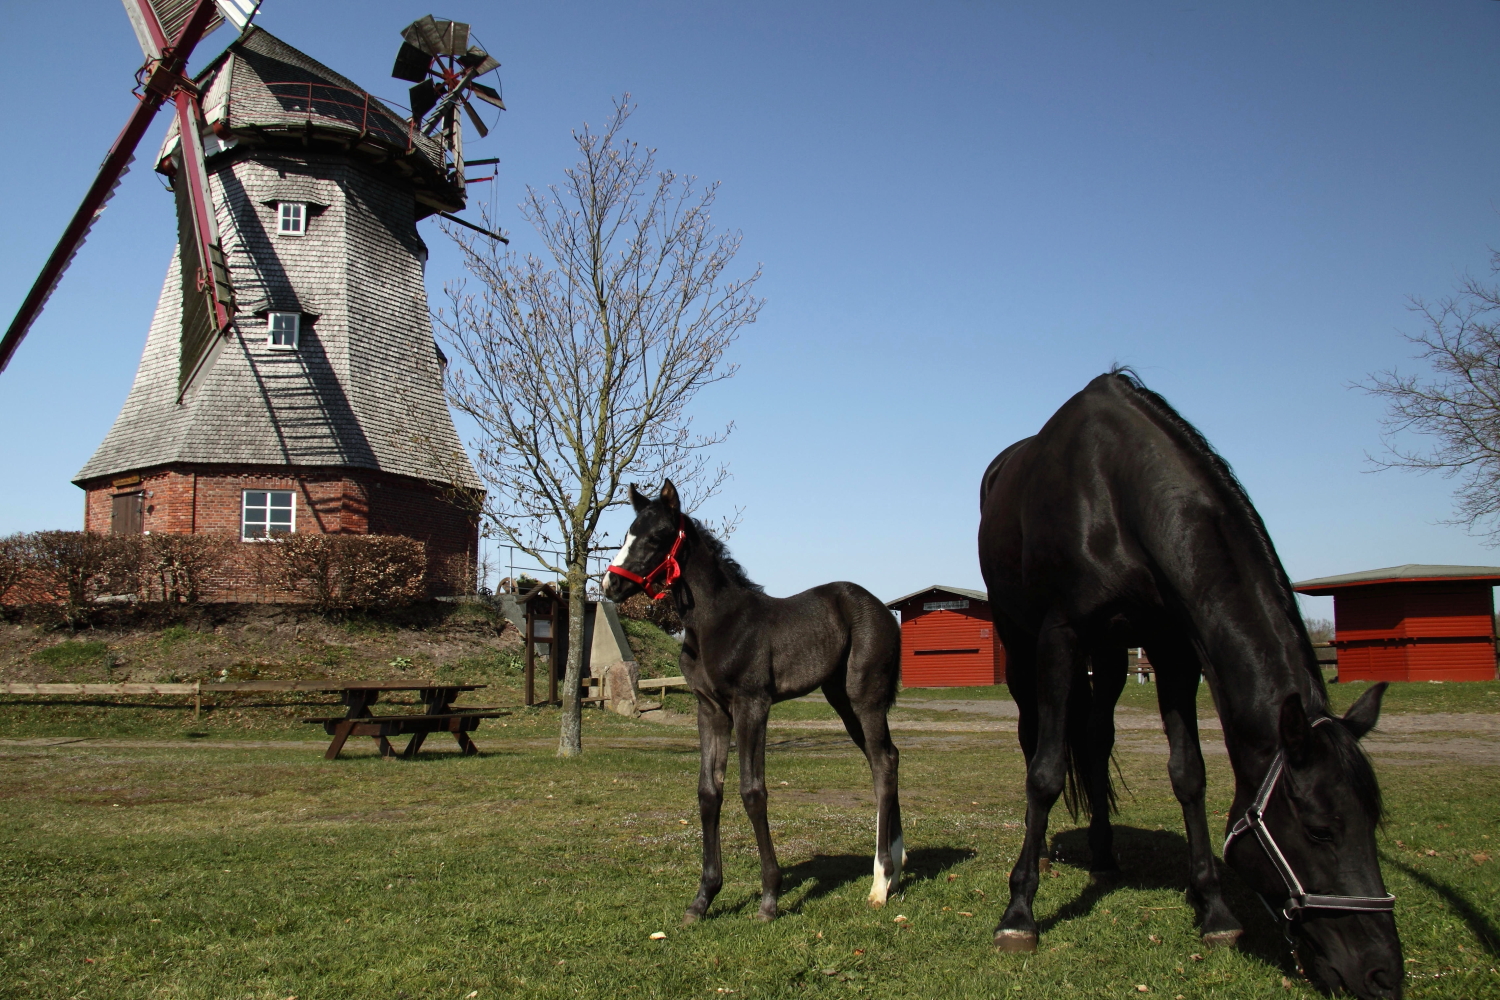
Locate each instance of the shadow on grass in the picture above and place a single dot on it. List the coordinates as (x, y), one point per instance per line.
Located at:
(1479, 924)
(824, 874)
(1158, 859)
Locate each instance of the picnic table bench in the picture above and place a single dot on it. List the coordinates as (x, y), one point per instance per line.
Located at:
(438, 716)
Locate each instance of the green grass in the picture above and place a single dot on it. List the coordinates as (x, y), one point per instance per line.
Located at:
(209, 871)
(72, 655)
(656, 652)
(516, 873)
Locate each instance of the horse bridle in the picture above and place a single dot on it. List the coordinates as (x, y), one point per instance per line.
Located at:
(668, 566)
(1298, 899)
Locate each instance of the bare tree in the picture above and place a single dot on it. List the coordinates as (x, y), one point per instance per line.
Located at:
(578, 369)
(1456, 404)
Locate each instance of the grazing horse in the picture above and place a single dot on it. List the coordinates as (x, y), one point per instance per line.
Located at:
(743, 651)
(1119, 524)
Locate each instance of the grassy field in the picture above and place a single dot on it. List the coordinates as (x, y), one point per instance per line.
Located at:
(226, 859)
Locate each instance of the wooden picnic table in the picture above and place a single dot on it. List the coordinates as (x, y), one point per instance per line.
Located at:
(438, 716)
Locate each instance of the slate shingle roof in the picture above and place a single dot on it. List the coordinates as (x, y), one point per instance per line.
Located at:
(364, 389)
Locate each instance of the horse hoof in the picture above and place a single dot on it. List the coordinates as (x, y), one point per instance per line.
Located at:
(1007, 940)
(876, 902)
(765, 917)
(1110, 876)
(1222, 939)
(689, 918)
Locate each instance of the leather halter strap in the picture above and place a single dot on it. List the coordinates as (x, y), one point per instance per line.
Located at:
(668, 568)
(1298, 898)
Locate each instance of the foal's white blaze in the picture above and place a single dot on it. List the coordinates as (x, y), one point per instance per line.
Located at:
(881, 889)
(624, 552)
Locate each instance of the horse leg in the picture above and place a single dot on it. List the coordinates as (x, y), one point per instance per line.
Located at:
(713, 744)
(890, 847)
(1177, 696)
(1058, 659)
(871, 733)
(750, 736)
(1109, 662)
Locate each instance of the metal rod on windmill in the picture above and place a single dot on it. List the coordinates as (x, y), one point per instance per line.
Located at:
(168, 32)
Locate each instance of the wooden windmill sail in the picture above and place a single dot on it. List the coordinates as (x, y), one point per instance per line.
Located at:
(290, 381)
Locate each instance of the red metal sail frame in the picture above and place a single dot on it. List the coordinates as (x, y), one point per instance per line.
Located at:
(164, 78)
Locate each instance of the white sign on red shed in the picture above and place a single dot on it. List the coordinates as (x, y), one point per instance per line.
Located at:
(948, 639)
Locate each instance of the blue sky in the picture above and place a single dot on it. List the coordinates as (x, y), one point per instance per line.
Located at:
(964, 212)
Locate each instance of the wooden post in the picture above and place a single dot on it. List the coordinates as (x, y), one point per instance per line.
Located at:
(558, 619)
(530, 671)
(197, 699)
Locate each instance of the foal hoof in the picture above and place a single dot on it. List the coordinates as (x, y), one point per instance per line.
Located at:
(1222, 939)
(689, 918)
(1007, 940)
(765, 917)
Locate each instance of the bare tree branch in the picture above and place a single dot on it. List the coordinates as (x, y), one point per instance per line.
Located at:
(1456, 405)
(579, 369)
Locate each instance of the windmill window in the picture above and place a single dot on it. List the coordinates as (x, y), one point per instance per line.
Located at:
(286, 330)
(268, 513)
(291, 218)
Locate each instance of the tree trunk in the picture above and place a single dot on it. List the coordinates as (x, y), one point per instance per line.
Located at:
(570, 740)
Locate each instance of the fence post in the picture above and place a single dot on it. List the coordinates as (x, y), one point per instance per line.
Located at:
(197, 698)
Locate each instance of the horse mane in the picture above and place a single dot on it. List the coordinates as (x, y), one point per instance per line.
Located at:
(720, 551)
(1233, 491)
(1357, 770)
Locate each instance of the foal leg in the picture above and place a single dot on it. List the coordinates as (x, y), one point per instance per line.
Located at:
(750, 736)
(713, 744)
(1177, 696)
(1109, 662)
(1058, 659)
(868, 728)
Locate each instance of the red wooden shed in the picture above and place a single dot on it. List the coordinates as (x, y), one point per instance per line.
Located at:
(948, 639)
(1413, 623)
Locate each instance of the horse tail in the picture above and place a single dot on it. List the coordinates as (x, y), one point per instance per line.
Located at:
(1076, 747)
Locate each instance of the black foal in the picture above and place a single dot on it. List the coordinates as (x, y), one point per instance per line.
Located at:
(743, 651)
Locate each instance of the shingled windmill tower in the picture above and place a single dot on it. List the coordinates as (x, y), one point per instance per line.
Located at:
(290, 381)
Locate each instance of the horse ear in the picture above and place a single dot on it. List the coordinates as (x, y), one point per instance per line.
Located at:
(1365, 711)
(670, 498)
(638, 500)
(1296, 731)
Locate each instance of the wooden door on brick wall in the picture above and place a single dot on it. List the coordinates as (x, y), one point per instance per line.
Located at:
(125, 514)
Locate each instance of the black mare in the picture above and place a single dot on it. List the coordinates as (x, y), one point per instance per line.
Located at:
(741, 652)
(1118, 524)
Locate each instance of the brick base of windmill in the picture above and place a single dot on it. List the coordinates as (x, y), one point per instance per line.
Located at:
(226, 502)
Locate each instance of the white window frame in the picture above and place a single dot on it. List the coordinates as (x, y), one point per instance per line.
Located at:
(245, 509)
(271, 330)
(291, 213)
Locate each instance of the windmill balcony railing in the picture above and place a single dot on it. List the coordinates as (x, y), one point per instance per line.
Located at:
(327, 105)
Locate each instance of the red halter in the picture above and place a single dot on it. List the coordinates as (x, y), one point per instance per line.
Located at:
(667, 567)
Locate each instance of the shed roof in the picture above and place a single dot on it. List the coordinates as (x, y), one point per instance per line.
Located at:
(976, 595)
(1409, 573)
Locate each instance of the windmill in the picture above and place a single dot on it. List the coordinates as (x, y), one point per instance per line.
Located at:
(290, 381)
(168, 32)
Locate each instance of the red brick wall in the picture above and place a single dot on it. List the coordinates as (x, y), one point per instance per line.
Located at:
(208, 499)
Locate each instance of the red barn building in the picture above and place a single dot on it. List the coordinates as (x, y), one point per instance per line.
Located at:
(1413, 623)
(948, 639)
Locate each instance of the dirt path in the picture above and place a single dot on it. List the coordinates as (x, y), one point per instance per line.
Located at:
(1402, 739)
